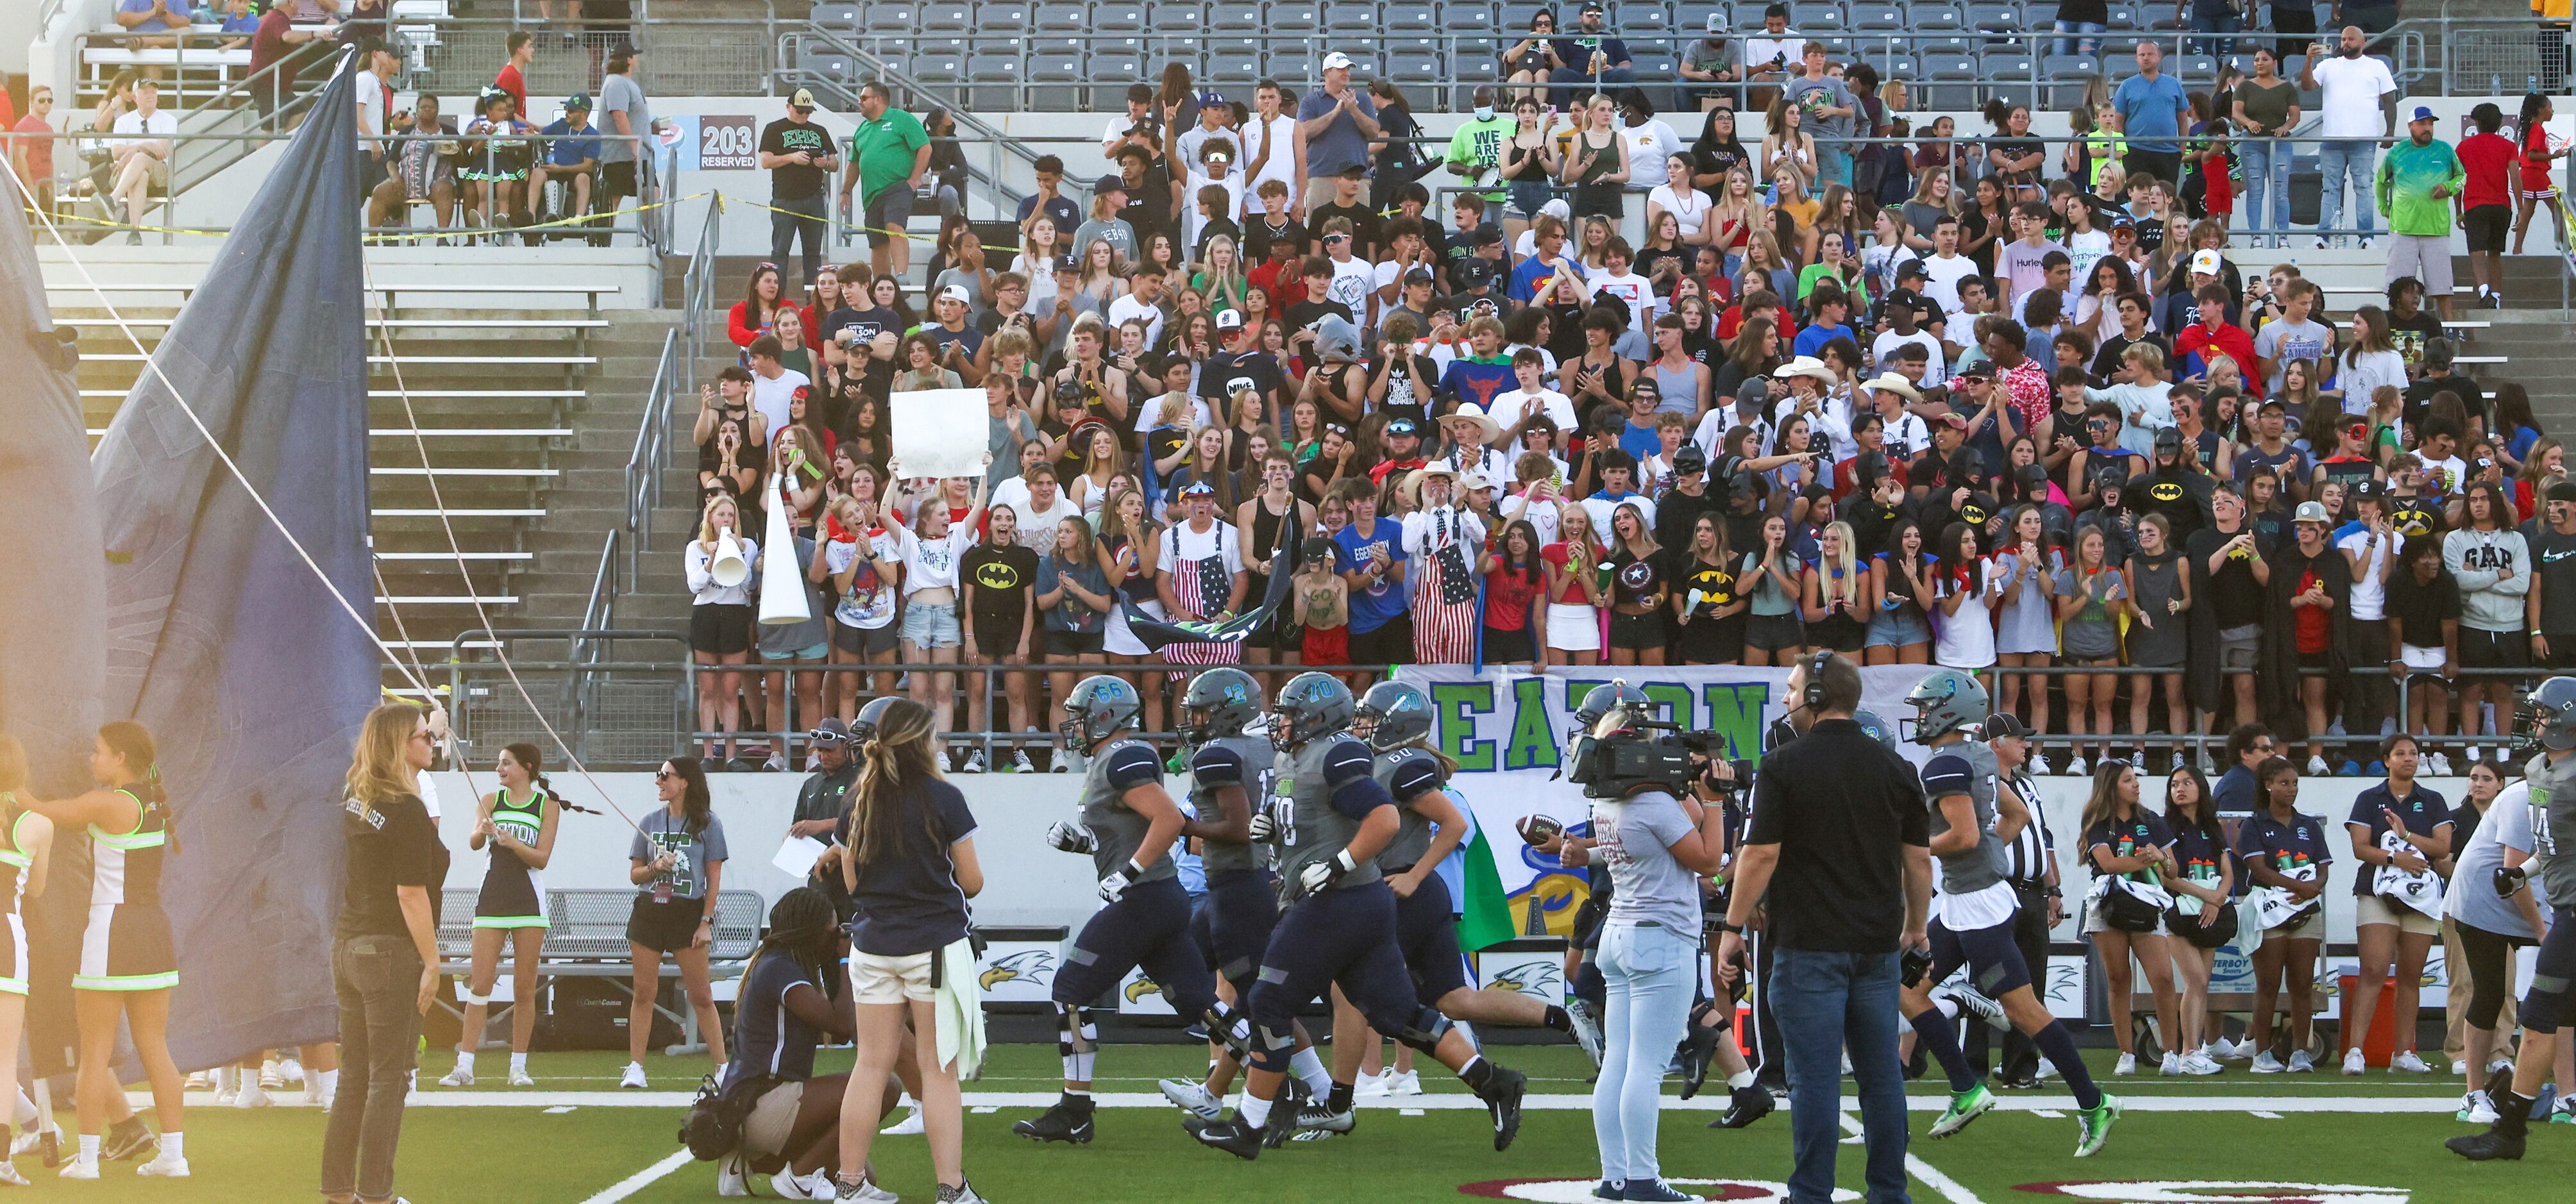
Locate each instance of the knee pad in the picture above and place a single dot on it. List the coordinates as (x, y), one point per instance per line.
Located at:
(1273, 1047)
(2546, 1007)
(1425, 1030)
(1074, 1030)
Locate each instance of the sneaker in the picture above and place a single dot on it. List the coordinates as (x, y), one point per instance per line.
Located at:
(2225, 1050)
(1502, 1095)
(963, 1193)
(2303, 1062)
(1231, 1135)
(1744, 1106)
(252, 1095)
(9, 1175)
(2265, 1063)
(1067, 1120)
(974, 762)
(2128, 1064)
(1698, 1049)
(1373, 1084)
(2349, 769)
(459, 1077)
(78, 1168)
(1061, 764)
(1192, 1098)
(1406, 1083)
(2172, 1064)
(946, 765)
(777, 763)
(2321, 244)
(164, 1166)
(197, 1080)
(2317, 767)
(130, 1138)
(1653, 1189)
(632, 1076)
(2074, 767)
(519, 1077)
(2097, 1126)
(2199, 1062)
(1965, 1106)
(1979, 1004)
(2353, 1062)
(909, 1126)
(272, 1075)
(2565, 1112)
(2407, 1062)
(1319, 1115)
(47, 1145)
(733, 1176)
(2476, 1109)
(2440, 765)
(789, 1187)
(1020, 762)
(1587, 1028)
(1609, 1189)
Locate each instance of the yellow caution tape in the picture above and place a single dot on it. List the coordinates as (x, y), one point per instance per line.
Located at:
(467, 231)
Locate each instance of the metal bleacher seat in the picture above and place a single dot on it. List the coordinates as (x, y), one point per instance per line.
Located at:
(1406, 16)
(837, 18)
(2066, 74)
(1691, 16)
(1055, 77)
(827, 63)
(2194, 70)
(1934, 18)
(1350, 17)
(945, 17)
(586, 938)
(1879, 18)
(2008, 77)
(1002, 17)
(1817, 18)
(1176, 17)
(1233, 64)
(1056, 16)
(993, 75)
(1635, 21)
(1118, 16)
(1111, 64)
(1950, 81)
(1297, 19)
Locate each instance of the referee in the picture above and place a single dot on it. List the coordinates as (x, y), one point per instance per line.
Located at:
(1841, 820)
(2030, 865)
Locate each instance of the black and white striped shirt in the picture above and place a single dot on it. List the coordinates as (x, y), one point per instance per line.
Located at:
(2026, 857)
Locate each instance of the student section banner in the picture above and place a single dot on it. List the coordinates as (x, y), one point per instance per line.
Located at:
(1508, 731)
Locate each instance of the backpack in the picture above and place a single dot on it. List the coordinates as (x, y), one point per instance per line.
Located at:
(713, 1126)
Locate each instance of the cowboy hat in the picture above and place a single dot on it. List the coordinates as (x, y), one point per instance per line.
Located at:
(1893, 383)
(1805, 365)
(1470, 412)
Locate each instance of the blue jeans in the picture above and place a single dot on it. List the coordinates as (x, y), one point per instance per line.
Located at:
(2338, 160)
(1827, 1003)
(1650, 970)
(1833, 165)
(2266, 163)
(2220, 47)
(2087, 44)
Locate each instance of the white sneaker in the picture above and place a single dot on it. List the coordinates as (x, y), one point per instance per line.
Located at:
(519, 1077)
(2441, 765)
(78, 1167)
(2476, 1109)
(2353, 1063)
(632, 1076)
(821, 1187)
(733, 1178)
(164, 1166)
(9, 1175)
(224, 1096)
(2303, 1062)
(2316, 767)
(2074, 767)
(2172, 1065)
(272, 1075)
(1020, 762)
(945, 765)
(2046, 1071)
(315, 1097)
(2265, 1063)
(909, 1126)
(2233, 1051)
(252, 1095)
(2128, 1064)
(818, 1186)
(2407, 1062)
(2199, 1063)
(1373, 1084)
(1407, 1083)
(974, 762)
(459, 1077)
(291, 1070)
(197, 1080)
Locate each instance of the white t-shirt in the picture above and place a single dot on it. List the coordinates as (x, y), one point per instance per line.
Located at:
(2369, 596)
(1513, 407)
(165, 124)
(1353, 281)
(1689, 206)
(1193, 224)
(1904, 437)
(770, 398)
(931, 563)
(1603, 509)
(1542, 517)
(1630, 288)
(1935, 370)
(371, 104)
(1181, 544)
(1648, 146)
(1280, 134)
(2352, 88)
(1942, 277)
(1547, 360)
(870, 604)
(1193, 416)
(1391, 272)
(1037, 527)
(1127, 307)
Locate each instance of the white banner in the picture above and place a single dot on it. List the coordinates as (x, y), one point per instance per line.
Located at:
(939, 432)
(1507, 730)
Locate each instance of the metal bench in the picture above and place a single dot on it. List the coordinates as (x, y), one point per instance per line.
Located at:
(586, 938)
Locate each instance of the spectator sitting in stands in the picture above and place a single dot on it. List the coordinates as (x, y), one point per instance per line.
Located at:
(241, 21)
(496, 171)
(143, 155)
(572, 158)
(421, 170)
(150, 23)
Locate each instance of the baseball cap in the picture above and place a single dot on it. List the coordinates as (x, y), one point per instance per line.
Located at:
(1473, 272)
(1229, 319)
(957, 293)
(1355, 171)
(1594, 6)
(2422, 113)
(576, 102)
(1068, 262)
(803, 99)
(2564, 491)
(2204, 262)
(1981, 370)
(2311, 512)
(1112, 181)
(1418, 276)
(1911, 269)
(2004, 725)
(1211, 100)
(2367, 488)
(1953, 420)
(1336, 59)
(1716, 23)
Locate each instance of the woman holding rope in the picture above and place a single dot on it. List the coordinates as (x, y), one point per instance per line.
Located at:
(516, 823)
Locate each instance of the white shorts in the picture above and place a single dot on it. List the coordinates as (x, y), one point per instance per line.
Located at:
(2424, 257)
(875, 978)
(2422, 660)
(1573, 628)
(2371, 909)
(772, 1120)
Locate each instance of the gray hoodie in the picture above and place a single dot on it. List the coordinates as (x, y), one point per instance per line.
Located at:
(2490, 596)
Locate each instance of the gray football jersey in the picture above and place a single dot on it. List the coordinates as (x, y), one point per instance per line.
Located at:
(1406, 773)
(1118, 828)
(1967, 767)
(1316, 830)
(1248, 760)
(2553, 827)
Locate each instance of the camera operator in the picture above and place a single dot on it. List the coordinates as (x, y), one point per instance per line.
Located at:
(1840, 820)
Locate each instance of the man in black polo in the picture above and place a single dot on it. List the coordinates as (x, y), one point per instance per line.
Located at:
(799, 156)
(1839, 840)
(823, 801)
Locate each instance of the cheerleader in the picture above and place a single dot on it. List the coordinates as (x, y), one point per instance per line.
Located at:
(127, 963)
(516, 823)
(25, 840)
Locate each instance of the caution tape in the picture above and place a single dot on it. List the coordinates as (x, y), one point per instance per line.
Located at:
(861, 229)
(720, 201)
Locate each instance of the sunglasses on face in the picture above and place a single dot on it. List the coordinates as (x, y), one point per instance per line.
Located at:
(663, 775)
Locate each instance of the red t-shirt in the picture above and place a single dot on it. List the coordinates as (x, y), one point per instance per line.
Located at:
(2485, 157)
(2311, 619)
(40, 150)
(1508, 595)
(510, 81)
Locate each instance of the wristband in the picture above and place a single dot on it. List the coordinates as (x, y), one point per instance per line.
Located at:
(1134, 871)
(1723, 926)
(1343, 859)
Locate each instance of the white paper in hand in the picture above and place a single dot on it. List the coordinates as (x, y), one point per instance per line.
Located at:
(796, 856)
(939, 432)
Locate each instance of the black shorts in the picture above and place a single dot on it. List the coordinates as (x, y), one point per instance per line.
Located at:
(666, 927)
(2486, 226)
(1426, 928)
(1638, 632)
(1073, 643)
(887, 213)
(1345, 937)
(1710, 641)
(1148, 927)
(2493, 650)
(616, 180)
(1509, 647)
(2307, 660)
(1243, 908)
(1390, 644)
(1771, 633)
(863, 641)
(720, 628)
(996, 637)
(1992, 957)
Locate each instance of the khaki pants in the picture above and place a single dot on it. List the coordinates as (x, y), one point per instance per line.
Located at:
(2455, 1004)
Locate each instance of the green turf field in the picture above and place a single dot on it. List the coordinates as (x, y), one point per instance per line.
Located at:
(578, 1140)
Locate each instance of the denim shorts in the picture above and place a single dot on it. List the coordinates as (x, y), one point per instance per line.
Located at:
(931, 625)
(1896, 629)
(1526, 196)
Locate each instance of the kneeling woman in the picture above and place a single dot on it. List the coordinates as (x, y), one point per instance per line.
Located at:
(791, 1132)
(520, 834)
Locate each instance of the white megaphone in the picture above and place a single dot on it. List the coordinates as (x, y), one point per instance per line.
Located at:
(727, 568)
(782, 579)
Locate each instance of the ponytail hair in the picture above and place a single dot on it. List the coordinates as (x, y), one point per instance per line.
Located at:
(533, 761)
(899, 757)
(132, 743)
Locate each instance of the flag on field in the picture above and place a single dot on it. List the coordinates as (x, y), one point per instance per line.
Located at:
(1484, 911)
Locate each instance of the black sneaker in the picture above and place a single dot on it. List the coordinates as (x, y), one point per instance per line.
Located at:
(130, 1138)
(1502, 1095)
(2503, 1138)
(1285, 1112)
(1230, 1135)
(1698, 1049)
(1069, 1120)
(1318, 1116)
(1744, 1106)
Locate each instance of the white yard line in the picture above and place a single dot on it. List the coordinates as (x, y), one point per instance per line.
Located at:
(1951, 1189)
(2266, 1114)
(2042, 1105)
(642, 1179)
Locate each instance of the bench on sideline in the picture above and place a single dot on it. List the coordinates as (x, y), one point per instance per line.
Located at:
(587, 939)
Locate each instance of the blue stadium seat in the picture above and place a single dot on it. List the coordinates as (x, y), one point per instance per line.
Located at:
(1111, 64)
(939, 68)
(1411, 16)
(1933, 18)
(1055, 79)
(2004, 19)
(1350, 17)
(1817, 18)
(1298, 18)
(1176, 17)
(1234, 64)
(1876, 18)
(993, 80)
(2194, 70)
(1476, 55)
(829, 64)
(1516, 15)
(1636, 19)
(1118, 16)
(2160, 19)
(944, 17)
(1946, 43)
(1655, 64)
(1950, 81)
(1691, 16)
(2070, 66)
(1057, 16)
(1892, 64)
(888, 22)
(1001, 17)
(2122, 17)
(838, 18)
(1416, 72)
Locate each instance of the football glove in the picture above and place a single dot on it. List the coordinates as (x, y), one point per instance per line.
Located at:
(1119, 880)
(2508, 882)
(1066, 837)
(1318, 875)
(1264, 829)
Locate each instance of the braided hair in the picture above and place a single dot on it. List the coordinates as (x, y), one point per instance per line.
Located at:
(802, 925)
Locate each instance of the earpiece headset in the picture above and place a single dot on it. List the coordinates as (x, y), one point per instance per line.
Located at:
(1814, 697)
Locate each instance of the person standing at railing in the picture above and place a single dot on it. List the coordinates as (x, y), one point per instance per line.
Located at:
(2151, 112)
(889, 156)
(799, 156)
(2358, 102)
(31, 155)
(627, 119)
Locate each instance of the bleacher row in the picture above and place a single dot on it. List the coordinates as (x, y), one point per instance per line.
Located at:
(1055, 55)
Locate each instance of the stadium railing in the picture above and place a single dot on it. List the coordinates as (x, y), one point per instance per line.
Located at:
(586, 938)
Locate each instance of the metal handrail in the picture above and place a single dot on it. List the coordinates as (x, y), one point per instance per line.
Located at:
(672, 376)
(1006, 198)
